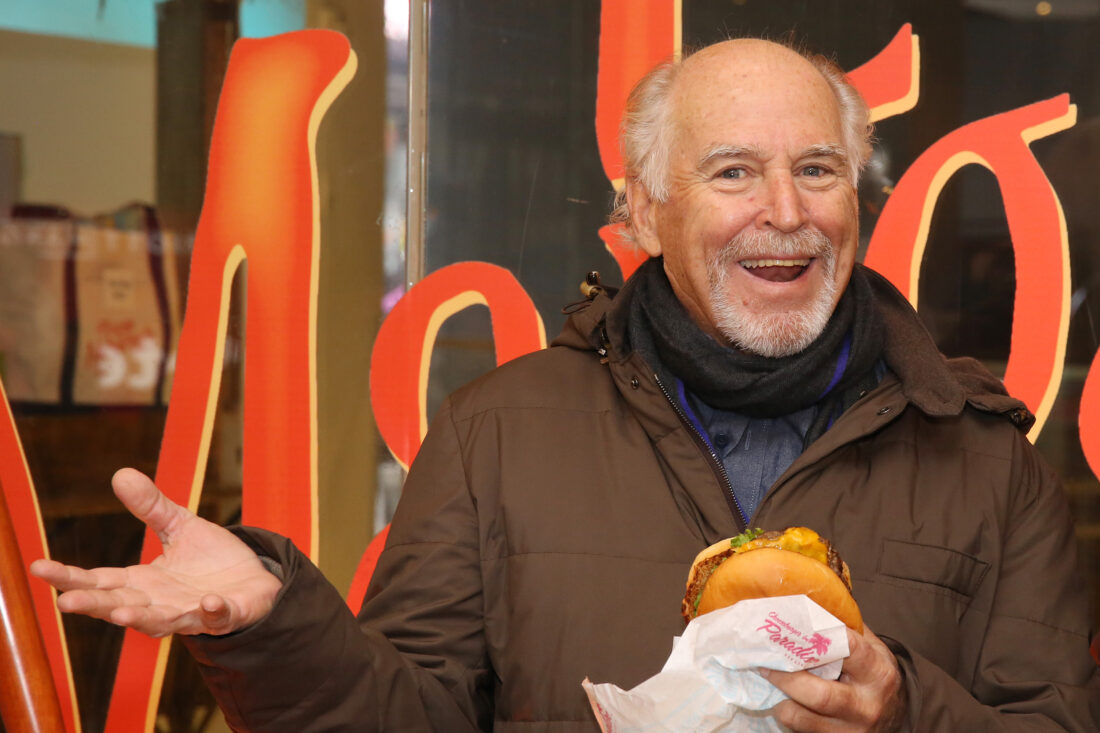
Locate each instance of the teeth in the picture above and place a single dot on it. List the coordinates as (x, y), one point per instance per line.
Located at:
(751, 264)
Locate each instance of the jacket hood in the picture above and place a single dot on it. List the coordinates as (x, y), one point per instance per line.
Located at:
(938, 386)
(584, 328)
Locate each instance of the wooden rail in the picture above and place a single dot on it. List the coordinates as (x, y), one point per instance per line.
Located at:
(28, 698)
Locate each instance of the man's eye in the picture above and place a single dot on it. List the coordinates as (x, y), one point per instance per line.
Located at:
(732, 173)
(816, 171)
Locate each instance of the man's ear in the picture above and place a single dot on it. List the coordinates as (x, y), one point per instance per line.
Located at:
(643, 217)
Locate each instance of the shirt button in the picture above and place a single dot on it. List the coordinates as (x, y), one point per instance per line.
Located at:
(721, 440)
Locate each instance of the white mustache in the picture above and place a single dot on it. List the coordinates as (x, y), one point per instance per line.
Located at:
(751, 245)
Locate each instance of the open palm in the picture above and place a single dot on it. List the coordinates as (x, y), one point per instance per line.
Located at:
(206, 582)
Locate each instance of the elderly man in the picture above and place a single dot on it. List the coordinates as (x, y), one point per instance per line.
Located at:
(750, 374)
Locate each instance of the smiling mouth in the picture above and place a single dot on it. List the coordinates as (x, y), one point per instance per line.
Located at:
(776, 270)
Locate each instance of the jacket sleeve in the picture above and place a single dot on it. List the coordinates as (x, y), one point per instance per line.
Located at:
(415, 658)
(1034, 670)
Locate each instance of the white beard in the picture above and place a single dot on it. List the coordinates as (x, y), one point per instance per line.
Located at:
(782, 333)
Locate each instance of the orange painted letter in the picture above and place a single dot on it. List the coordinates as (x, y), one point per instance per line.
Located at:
(261, 205)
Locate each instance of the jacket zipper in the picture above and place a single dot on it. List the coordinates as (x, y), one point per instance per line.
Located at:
(715, 463)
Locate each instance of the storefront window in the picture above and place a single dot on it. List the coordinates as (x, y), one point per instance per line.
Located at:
(467, 134)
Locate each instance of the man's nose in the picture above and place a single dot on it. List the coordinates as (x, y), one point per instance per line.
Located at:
(782, 204)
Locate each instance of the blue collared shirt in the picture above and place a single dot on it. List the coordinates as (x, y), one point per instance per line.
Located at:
(754, 451)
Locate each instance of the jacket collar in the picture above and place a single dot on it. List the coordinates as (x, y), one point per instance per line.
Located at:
(936, 385)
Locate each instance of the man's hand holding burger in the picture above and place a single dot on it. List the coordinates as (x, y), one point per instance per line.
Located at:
(868, 696)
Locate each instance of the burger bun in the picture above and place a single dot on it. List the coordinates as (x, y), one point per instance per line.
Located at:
(768, 572)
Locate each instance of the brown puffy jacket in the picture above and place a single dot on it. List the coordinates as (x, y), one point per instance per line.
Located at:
(548, 523)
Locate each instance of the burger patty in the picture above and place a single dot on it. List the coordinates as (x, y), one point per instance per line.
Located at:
(702, 574)
(837, 566)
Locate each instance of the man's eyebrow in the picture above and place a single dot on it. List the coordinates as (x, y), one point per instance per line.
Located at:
(826, 151)
(725, 152)
(722, 152)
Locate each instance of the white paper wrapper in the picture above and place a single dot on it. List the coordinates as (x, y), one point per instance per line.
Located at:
(709, 682)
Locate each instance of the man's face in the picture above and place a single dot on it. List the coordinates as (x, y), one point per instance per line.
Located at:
(760, 229)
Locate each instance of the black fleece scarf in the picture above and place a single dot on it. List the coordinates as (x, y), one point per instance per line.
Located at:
(831, 372)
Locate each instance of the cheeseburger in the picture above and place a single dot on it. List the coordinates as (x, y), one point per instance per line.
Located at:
(759, 564)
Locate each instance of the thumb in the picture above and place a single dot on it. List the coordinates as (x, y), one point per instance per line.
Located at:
(144, 500)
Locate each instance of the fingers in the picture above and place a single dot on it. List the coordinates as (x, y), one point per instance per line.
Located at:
(104, 593)
(213, 616)
(132, 608)
(155, 621)
(100, 604)
(860, 664)
(812, 699)
(865, 697)
(50, 571)
(870, 664)
(69, 577)
(97, 593)
(146, 502)
(799, 719)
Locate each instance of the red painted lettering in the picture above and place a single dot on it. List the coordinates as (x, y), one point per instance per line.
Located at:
(1035, 221)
